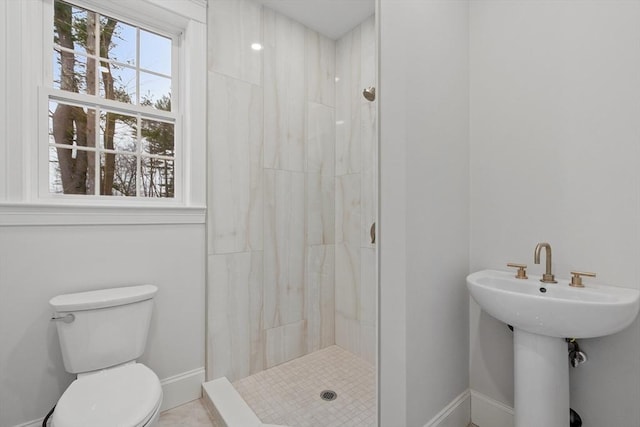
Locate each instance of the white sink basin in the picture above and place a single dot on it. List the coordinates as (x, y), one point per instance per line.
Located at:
(562, 311)
(541, 321)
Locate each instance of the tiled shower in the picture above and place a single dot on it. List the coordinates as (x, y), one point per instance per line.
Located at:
(292, 190)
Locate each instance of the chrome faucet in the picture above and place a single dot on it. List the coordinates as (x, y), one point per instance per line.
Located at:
(547, 277)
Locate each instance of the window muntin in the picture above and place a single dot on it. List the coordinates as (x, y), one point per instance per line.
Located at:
(111, 119)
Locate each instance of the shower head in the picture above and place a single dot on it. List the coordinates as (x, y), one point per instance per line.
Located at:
(369, 93)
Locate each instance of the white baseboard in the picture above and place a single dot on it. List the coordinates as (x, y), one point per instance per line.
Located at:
(455, 414)
(488, 412)
(182, 388)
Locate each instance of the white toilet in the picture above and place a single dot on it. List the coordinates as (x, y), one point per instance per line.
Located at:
(102, 333)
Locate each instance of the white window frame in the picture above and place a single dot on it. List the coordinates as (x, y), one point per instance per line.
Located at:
(25, 199)
(48, 93)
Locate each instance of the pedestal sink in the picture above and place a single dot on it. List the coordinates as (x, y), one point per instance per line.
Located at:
(542, 316)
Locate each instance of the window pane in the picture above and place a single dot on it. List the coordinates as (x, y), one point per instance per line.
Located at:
(157, 138)
(117, 82)
(73, 72)
(155, 91)
(118, 175)
(118, 131)
(75, 127)
(71, 125)
(84, 37)
(155, 52)
(79, 75)
(55, 178)
(74, 28)
(157, 177)
(117, 40)
(74, 31)
(57, 62)
(71, 171)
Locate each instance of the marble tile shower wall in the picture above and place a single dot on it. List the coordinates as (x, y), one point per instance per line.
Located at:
(271, 195)
(356, 192)
(291, 191)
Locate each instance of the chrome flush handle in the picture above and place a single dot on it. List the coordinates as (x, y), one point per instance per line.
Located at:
(66, 319)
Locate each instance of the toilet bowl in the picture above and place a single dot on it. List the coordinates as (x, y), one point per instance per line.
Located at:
(124, 396)
(102, 333)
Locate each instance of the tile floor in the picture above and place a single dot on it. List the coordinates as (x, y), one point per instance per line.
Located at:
(289, 394)
(193, 414)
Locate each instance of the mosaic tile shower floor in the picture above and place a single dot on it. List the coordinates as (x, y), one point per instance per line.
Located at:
(289, 394)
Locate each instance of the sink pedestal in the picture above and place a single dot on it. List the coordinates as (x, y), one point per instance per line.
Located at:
(541, 374)
(541, 361)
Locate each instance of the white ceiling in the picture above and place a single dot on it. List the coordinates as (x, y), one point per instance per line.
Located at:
(333, 18)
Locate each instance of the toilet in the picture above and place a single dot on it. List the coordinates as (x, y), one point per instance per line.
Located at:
(101, 334)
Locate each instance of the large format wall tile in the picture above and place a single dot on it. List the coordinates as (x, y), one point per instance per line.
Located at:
(285, 343)
(234, 25)
(320, 209)
(284, 249)
(321, 136)
(348, 333)
(320, 297)
(347, 280)
(321, 68)
(356, 192)
(235, 165)
(357, 337)
(368, 185)
(235, 333)
(368, 286)
(320, 176)
(273, 222)
(368, 132)
(284, 91)
(367, 54)
(368, 342)
(348, 215)
(348, 101)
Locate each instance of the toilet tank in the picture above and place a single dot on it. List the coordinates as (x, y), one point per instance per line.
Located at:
(109, 326)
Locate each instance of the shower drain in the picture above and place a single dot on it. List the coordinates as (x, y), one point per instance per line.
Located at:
(328, 395)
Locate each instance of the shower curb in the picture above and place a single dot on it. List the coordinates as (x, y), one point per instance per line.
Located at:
(227, 406)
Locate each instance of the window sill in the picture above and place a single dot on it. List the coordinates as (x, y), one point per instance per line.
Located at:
(25, 214)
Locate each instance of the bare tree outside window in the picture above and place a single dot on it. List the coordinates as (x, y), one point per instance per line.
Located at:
(96, 149)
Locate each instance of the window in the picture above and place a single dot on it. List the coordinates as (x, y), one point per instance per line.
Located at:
(112, 110)
(157, 150)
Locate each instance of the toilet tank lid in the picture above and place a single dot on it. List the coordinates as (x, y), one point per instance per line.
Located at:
(102, 298)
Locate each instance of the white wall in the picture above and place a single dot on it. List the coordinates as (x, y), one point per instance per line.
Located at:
(424, 196)
(555, 102)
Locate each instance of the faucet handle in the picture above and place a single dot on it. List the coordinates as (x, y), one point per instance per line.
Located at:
(522, 270)
(576, 278)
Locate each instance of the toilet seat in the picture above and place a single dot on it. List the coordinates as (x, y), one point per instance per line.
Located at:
(124, 396)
